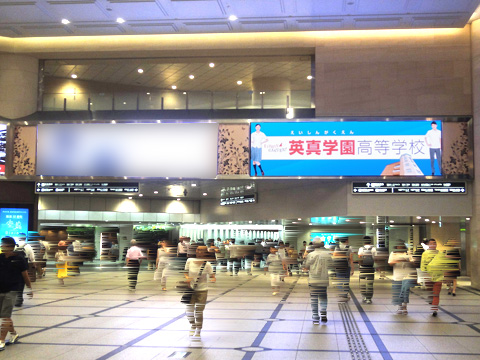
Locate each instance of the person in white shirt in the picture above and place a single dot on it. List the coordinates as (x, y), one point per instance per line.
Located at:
(404, 277)
(182, 247)
(433, 139)
(163, 260)
(318, 263)
(257, 140)
(134, 259)
(274, 266)
(197, 272)
(366, 260)
(26, 250)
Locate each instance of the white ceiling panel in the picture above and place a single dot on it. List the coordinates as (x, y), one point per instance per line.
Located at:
(154, 28)
(326, 24)
(22, 12)
(77, 11)
(276, 25)
(206, 27)
(192, 9)
(136, 10)
(21, 18)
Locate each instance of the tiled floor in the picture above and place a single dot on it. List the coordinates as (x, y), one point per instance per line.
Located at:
(94, 316)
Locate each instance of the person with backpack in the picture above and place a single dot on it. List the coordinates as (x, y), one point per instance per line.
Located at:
(318, 263)
(366, 260)
(24, 249)
(13, 276)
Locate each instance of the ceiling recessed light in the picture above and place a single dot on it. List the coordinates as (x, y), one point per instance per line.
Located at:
(193, 185)
(129, 198)
(309, 77)
(239, 82)
(113, 122)
(178, 199)
(211, 65)
(140, 195)
(427, 220)
(274, 220)
(419, 217)
(155, 192)
(124, 103)
(174, 87)
(74, 76)
(299, 219)
(184, 93)
(204, 194)
(232, 18)
(191, 77)
(120, 20)
(65, 22)
(148, 93)
(434, 222)
(468, 219)
(310, 224)
(250, 221)
(140, 71)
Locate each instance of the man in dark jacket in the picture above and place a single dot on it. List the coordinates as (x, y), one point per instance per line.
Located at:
(13, 272)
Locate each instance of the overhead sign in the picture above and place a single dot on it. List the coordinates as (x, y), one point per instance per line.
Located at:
(239, 200)
(3, 148)
(187, 150)
(346, 148)
(409, 188)
(85, 187)
(13, 221)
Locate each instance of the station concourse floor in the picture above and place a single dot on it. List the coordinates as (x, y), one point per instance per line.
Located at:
(94, 316)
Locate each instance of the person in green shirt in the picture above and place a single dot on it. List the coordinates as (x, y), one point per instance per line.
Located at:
(433, 266)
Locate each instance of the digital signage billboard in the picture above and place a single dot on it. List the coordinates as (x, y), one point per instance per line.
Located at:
(13, 221)
(3, 148)
(186, 150)
(346, 148)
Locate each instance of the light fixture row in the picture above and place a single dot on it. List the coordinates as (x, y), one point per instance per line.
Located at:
(120, 20)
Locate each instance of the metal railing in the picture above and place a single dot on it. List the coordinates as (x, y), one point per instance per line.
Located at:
(177, 100)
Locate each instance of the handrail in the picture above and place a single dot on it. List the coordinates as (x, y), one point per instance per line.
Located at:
(177, 100)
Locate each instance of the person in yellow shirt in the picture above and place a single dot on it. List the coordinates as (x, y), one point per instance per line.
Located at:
(431, 264)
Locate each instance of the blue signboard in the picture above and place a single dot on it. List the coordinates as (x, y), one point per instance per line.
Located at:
(13, 221)
(346, 148)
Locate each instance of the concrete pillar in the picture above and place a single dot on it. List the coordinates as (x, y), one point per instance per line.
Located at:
(18, 85)
(475, 224)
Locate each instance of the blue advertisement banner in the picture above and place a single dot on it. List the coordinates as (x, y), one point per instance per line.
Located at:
(350, 148)
(13, 221)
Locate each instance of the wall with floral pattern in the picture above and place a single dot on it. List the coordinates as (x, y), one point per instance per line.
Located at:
(24, 147)
(233, 149)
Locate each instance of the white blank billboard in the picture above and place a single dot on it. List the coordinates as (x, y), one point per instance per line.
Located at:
(134, 150)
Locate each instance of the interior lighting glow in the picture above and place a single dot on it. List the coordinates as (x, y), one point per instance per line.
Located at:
(427, 220)
(193, 185)
(309, 77)
(140, 195)
(419, 217)
(120, 20)
(174, 87)
(239, 82)
(74, 76)
(232, 17)
(211, 65)
(155, 192)
(204, 194)
(468, 219)
(140, 71)
(65, 21)
(191, 77)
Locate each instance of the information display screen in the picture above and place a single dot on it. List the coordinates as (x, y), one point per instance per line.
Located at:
(3, 148)
(346, 148)
(13, 221)
(239, 200)
(409, 188)
(186, 150)
(85, 187)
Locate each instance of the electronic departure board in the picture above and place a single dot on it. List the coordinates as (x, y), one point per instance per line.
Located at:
(85, 187)
(436, 187)
(238, 200)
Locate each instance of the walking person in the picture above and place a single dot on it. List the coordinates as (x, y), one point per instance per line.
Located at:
(24, 249)
(274, 266)
(133, 261)
(366, 260)
(197, 272)
(343, 266)
(161, 265)
(433, 285)
(13, 276)
(404, 277)
(318, 263)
